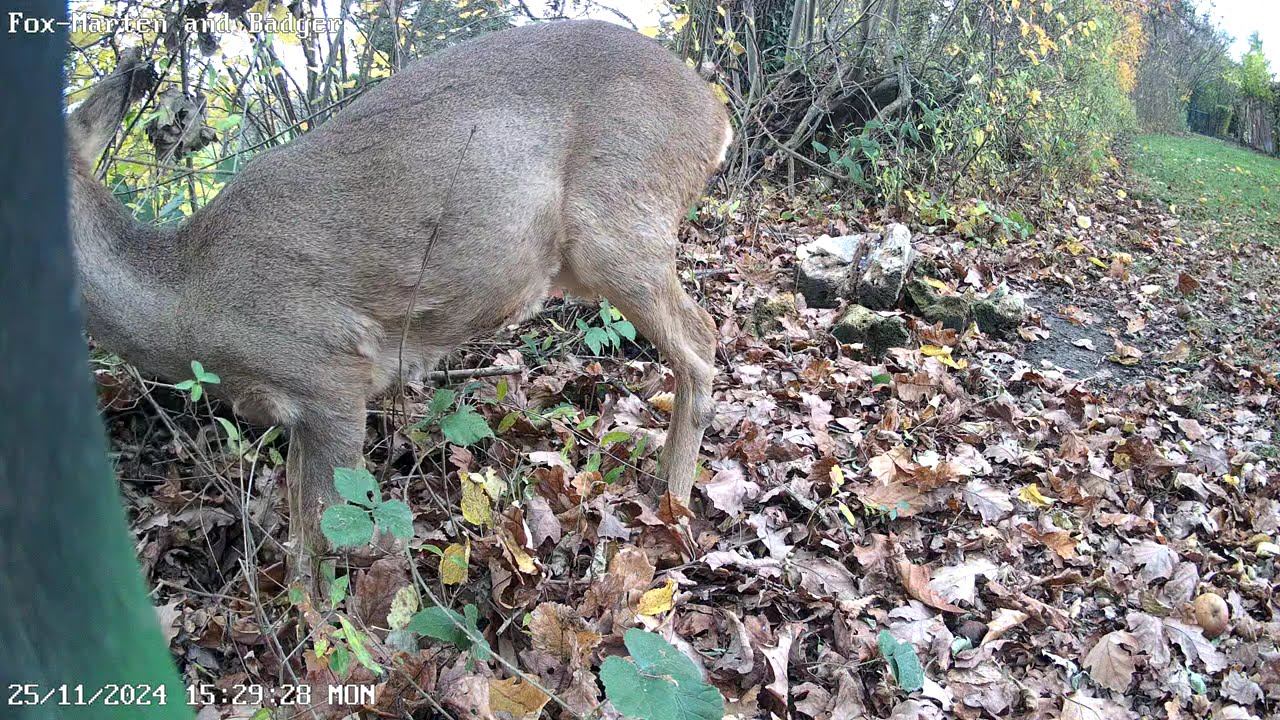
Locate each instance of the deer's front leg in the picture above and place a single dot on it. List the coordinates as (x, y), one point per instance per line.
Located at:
(318, 443)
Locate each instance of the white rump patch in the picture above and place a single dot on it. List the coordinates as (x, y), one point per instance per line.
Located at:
(724, 147)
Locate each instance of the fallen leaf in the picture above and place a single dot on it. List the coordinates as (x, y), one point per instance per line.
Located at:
(657, 600)
(1031, 494)
(915, 579)
(454, 563)
(1004, 620)
(515, 699)
(560, 631)
(1110, 663)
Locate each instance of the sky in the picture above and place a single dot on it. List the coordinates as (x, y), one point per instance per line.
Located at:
(1241, 17)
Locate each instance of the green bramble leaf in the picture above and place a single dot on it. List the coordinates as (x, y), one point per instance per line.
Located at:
(395, 517)
(441, 401)
(902, 660)
(357, 485)
(465, 426)
(657, 682)
(346, 526)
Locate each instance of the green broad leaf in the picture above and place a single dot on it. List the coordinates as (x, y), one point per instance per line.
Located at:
(465, 426)
(820, 147)
(441, 401)
(625, 329)
(346, 526)
(508, 421)
(395, 517)
(185, 385)
(503, 388)
(201, 375)
(441, 624)
(232, 433)
(357, 485)
(448, 626)
(903, 661)
(358, 648)
(481, 648)
(595, 338)
(340, 661)
(882, 379)
(657, 682)
(197, 392)
(613, 437)
(338, 588)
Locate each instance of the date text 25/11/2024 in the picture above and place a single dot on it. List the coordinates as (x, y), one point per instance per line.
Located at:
(198, 695)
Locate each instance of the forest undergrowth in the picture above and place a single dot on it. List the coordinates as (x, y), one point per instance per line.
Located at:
(964, 527)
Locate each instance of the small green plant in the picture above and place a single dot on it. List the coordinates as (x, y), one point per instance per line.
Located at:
(351, 524)
(458, 421)
(902, 660)
(459, 630)
(657, 682)
(251, 451)
(609, 334)
(195, 386)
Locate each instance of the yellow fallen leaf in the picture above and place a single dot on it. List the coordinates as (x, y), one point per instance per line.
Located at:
(1121, 194)
(476, 506)
(848, 515)
(1031, 494)
(516, 698)
(524, 562)
(1097, 261)
(650, 30)
(403, 606)
(1084, 222)
(658, 600)
(454, 563)
(935, 283)
(664, 401)
(837, 477)
(944, 356)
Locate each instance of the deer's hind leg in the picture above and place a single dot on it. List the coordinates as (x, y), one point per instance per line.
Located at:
(638, 276)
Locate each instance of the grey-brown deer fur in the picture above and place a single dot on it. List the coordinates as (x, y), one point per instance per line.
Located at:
(590, 142)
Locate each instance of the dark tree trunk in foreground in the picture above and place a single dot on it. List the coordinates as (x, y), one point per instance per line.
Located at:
(74, 611)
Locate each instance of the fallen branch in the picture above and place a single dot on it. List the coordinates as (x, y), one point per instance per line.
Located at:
(493, 371)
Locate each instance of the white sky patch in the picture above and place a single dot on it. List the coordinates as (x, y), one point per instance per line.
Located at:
(1241, 17)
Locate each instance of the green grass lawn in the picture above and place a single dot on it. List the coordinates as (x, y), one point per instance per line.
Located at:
(1224, 189)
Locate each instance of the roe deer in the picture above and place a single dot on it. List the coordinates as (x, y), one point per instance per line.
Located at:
(586, 143)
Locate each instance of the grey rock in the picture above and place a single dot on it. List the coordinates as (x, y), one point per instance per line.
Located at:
(884, 269)
(823, 280)
(875, 331)
(846, 248)
(1001, 312)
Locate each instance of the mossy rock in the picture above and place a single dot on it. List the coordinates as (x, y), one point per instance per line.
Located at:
(874, 331)
(952, 311)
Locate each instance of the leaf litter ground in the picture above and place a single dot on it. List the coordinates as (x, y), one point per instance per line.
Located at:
(1033, 517)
